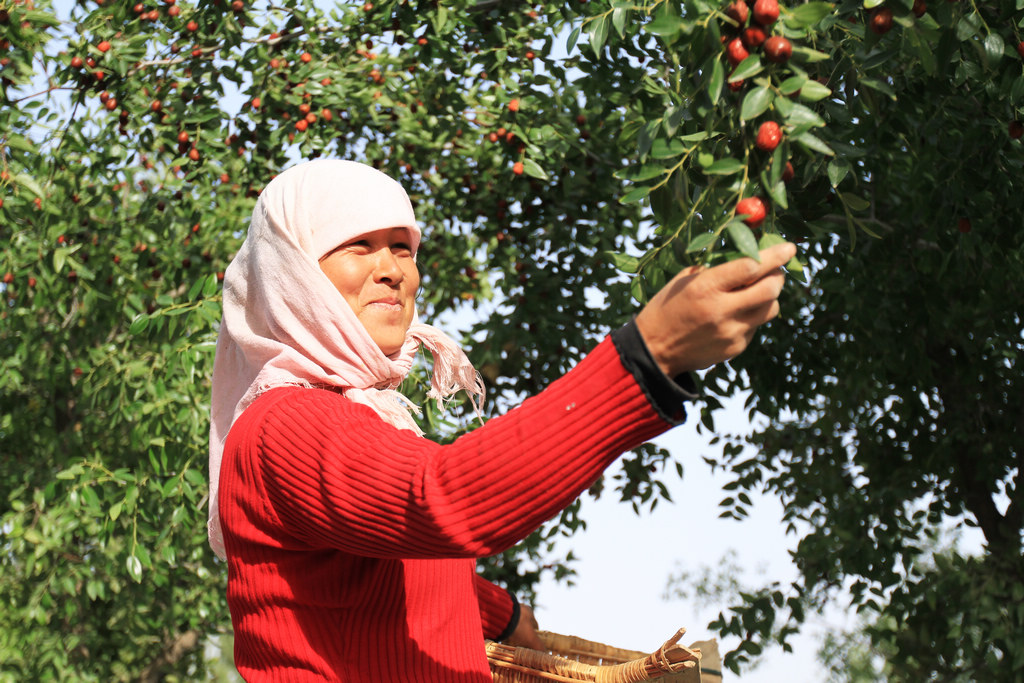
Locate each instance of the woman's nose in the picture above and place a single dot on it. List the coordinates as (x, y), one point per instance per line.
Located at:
(387, 268)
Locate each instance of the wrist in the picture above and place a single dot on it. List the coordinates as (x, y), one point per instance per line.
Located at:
(513, 621)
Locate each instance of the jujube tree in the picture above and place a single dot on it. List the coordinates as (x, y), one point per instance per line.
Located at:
(565, 161)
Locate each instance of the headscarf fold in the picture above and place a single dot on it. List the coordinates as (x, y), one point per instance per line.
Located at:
(286, 324)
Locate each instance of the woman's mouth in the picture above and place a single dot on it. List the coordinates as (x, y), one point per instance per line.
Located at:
(388, 304)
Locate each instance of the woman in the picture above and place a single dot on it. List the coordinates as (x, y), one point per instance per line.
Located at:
(350, 539)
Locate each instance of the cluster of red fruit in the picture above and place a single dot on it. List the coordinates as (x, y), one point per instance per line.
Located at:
(153, 14)
(92, 63)
(769, 135)
(776, 49)
(751, 23)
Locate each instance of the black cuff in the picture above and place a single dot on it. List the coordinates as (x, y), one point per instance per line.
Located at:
(665, 394)
(513, 622)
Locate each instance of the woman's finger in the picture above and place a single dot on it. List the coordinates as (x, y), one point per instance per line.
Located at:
(757, 294)
(743, 272)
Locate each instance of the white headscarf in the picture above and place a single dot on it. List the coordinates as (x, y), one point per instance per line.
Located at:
(286, 324)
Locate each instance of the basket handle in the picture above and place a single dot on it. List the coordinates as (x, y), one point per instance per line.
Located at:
(670, 658)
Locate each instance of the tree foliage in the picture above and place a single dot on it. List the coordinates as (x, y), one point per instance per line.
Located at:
(565, 160)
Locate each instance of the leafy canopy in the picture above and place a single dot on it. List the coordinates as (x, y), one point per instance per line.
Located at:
(566, 160)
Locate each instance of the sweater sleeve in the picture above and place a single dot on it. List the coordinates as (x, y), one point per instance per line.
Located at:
(336, 476)
(499, 610)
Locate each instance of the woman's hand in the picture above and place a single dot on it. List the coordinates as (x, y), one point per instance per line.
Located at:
(525, 634)
(707, 315)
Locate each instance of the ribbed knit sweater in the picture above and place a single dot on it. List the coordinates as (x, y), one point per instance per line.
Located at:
(352, 544)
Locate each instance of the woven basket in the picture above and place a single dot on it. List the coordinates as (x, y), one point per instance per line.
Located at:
(574, 659)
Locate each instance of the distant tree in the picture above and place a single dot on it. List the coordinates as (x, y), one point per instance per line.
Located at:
(851, 657)
(876, 649)
(559, 185)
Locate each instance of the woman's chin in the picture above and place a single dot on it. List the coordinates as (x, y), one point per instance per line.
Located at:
(390, 342)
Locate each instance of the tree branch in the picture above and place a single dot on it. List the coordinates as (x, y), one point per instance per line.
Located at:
(1002, 538)
(172, 652)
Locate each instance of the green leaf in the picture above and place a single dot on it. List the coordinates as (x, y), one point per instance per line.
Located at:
(802, 115)
(778, 163)
(728, 166)
(29, 183)
(115, 511)
(665, 200)
(665, 27)
(33, 536)
(636, 289)
(647, 136)
(667, 149)
(211, 286)
(755, 103)
(61, 255)
(749, 67)
(808, 55)
(880, 86)
(863, 226)
(574, 38)
(624, 262)
(809, 14)
(440, 19)
(635, 195)
(40, 17)
(994, 46)
(812, 91)
(70, 473)
(138, 325)
(20, 143)
(645, 172)
(134, 568)
(655, 277)
(784, 106)
(533, 169)
(967, 27)
(853, 202)
(778, 194)
(195, 289)
(743, 239)
(598, 34)
(144, 557)
(837, 170)
(1017, 90)
(619, 20)
(793, 84)
(770, 239)
(92, 500)
(701, 242)
(716, 81)
(673, 117)
(813, 143)
(925, 51)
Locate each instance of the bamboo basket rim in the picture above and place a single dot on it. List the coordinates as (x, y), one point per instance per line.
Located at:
(618, 665)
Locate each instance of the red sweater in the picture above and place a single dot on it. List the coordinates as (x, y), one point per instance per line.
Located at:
(351, 544)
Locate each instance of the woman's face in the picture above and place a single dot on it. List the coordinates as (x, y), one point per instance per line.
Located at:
(378, 277)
